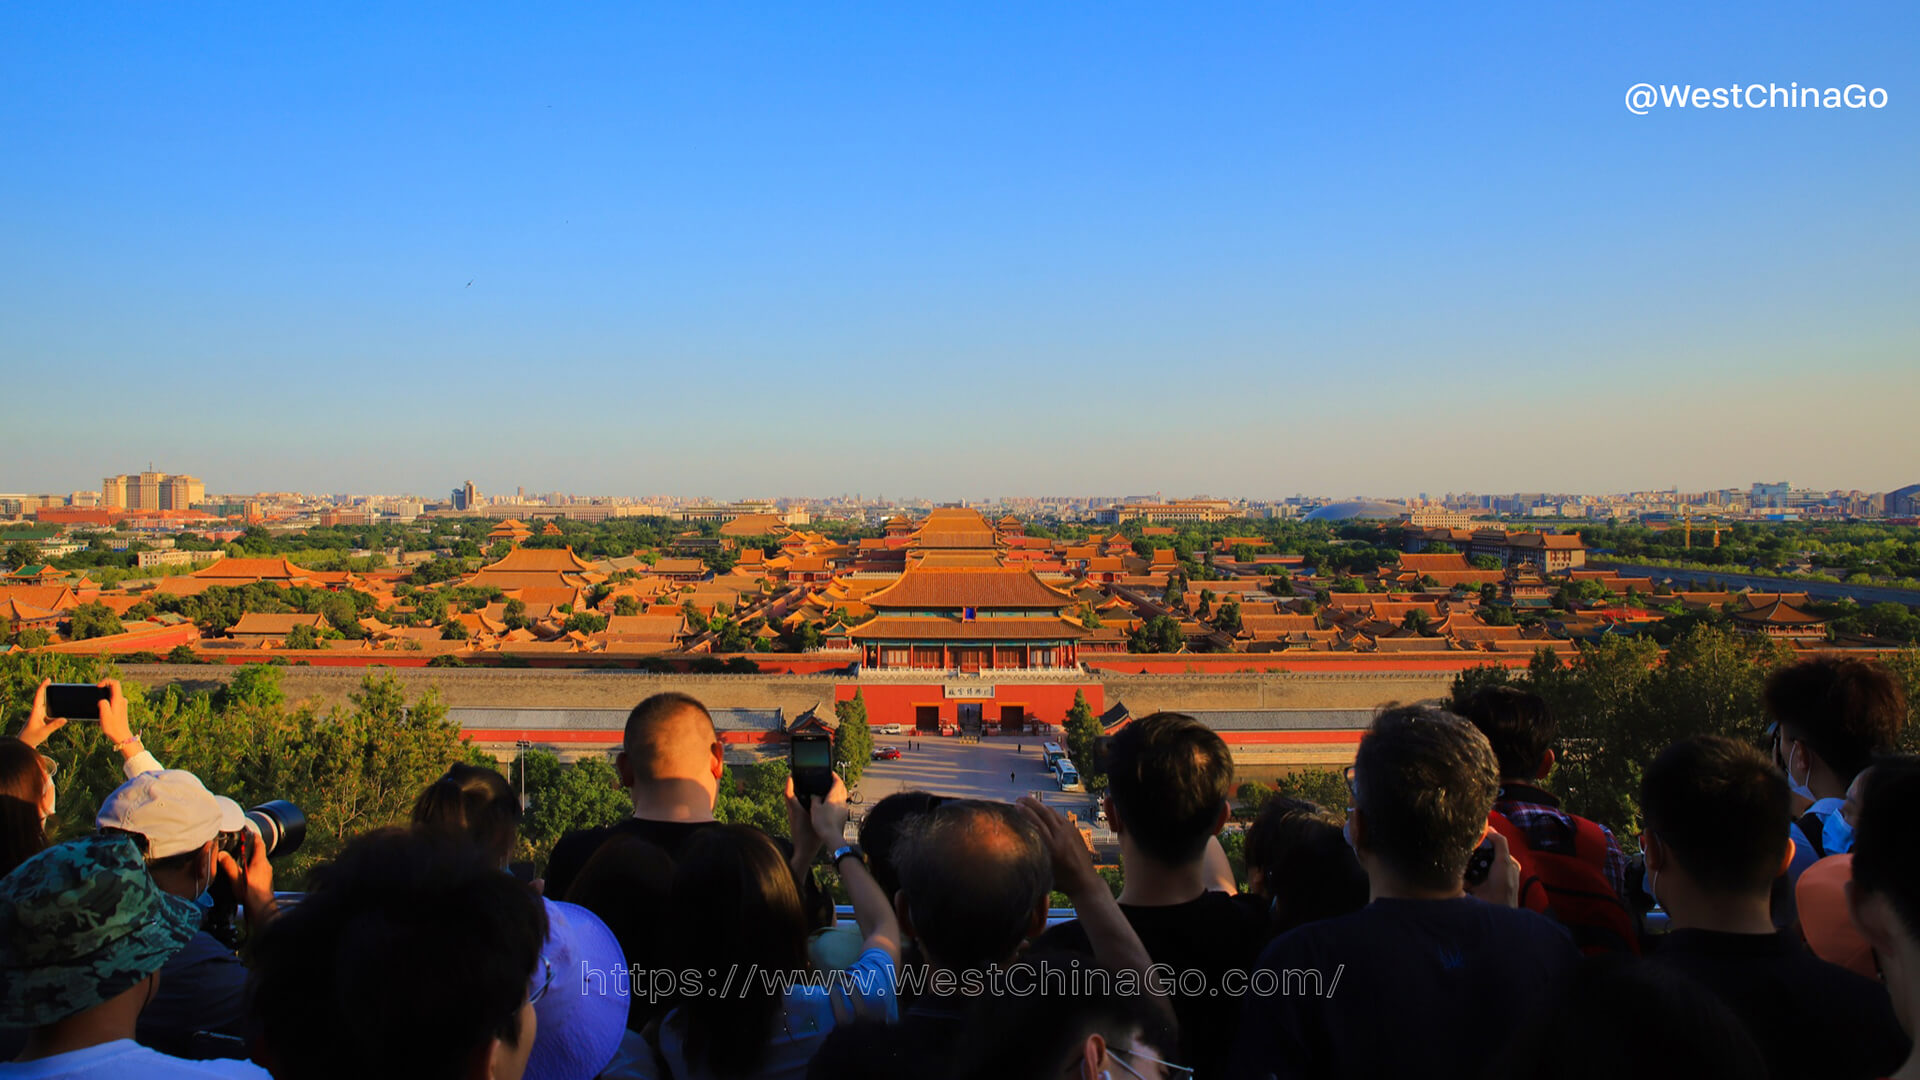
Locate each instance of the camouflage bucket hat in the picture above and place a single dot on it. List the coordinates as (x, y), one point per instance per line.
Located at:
(80, 923)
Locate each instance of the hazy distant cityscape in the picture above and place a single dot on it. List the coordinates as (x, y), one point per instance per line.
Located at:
(123, 498)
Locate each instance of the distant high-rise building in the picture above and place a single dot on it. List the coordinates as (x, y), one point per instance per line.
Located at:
(1770, 495)
(181, 492)
(1904, 502)
(151, 491)
(466, 496)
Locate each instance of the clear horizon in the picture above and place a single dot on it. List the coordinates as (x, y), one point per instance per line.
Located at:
(1005, 251)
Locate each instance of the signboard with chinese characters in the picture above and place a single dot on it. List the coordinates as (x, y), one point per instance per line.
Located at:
(969, 691)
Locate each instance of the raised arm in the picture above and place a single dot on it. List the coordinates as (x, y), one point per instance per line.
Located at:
(134, 758)
(872, 908)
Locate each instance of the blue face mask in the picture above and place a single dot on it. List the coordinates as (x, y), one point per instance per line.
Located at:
(1798, 787)
(1836, 833)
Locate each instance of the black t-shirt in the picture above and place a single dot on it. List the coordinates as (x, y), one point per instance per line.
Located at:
(1809, 1017)
(1400, 988)
(918, 1046)
(1210, 935)
(203, 987)
(571, 852)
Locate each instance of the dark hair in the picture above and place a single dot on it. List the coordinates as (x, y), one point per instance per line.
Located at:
(1034, 1036)
(1845, 710)
(628, 882)
(880, 831)
(1426, 781)
(1722, 808)
(974, 873)
(1617, 1013)
(734, 904)
(1308, 870)
(650, 728)
(408, 955)
(477, 802)
(1518, 726)
(1170, 776)
(1886, 860)
(23, 787)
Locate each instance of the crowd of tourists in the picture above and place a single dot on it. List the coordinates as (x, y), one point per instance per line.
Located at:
(1451, 920)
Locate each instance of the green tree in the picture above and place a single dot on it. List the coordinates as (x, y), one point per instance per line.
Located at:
(1083, 734)
(563, 798)
(755, 795)
(92, 621)
(1175, 594)
(1619, 703)
(1483, 562)
(853, 742)
(802, 637)
(514, 614)
(303, 636)
(22, 554)
(1160, 634)
(1228, 621)
(586, 622)
(432, 606)
(696, 619)
(453, 630)
(626, 605)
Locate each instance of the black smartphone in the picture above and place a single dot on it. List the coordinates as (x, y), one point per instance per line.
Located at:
(810, 757)
(1481, 863)
(75, 701)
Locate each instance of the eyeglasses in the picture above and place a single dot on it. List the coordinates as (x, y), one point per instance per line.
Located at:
(52, 766)
(1352, 788)
(1120, 1058)
(538, 986)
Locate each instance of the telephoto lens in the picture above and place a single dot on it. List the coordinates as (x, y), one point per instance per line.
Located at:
(282, 826)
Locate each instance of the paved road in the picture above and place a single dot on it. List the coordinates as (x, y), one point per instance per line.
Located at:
(947, 766)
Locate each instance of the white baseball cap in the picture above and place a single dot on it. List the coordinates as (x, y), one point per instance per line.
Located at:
(172, 809)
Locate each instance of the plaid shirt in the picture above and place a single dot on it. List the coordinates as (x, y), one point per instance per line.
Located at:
(1538, 816)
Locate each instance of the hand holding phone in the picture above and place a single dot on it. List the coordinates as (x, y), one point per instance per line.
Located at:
(810, 759)
(75, 701)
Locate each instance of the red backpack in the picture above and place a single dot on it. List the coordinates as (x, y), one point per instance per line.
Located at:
(1571, 888)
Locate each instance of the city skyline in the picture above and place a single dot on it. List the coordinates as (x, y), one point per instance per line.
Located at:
(965, 253)
(115, 490)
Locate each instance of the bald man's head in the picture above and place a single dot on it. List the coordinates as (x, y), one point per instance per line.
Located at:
(974, 881)
(670, 737)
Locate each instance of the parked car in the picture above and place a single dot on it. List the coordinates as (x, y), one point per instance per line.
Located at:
(886, 753)
(888, 729)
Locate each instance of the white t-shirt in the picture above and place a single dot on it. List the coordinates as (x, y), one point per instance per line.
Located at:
(126, 1058)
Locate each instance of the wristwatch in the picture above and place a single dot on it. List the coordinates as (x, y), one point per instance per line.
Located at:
(845, 850)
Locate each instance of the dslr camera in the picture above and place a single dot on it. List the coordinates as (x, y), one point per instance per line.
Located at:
(279, 824)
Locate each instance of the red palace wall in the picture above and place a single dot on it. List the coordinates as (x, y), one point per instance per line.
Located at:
(1238, 663)
(1042, 702)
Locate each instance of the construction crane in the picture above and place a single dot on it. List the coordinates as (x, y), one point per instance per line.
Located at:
(1686, 521)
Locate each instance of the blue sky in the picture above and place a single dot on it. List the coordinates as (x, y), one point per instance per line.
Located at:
(1027, 249)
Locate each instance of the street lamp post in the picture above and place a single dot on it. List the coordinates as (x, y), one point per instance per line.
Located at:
(523, 746)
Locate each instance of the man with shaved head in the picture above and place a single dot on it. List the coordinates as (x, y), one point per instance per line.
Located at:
(670, 762)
